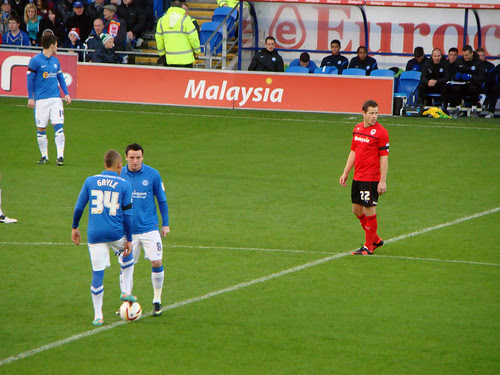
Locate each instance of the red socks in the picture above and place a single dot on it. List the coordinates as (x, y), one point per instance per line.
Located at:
(370, 231)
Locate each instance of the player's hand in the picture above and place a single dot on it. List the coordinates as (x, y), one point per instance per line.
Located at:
(164, 231)
(67, 99)
(343, 180)
(31, 103)
(75, 236)
(382, 187)
(127, 249)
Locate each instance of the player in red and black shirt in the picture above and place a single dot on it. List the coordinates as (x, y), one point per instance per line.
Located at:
(369, 157)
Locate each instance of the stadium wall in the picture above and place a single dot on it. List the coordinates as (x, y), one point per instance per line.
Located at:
(205, 88)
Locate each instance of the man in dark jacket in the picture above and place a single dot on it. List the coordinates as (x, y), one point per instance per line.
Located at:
(134, 18)
(490, 88)
(94, 41)
(363, 61)
(469, 79)
(335, 59)
(418, 60)
(435, 75)
(80, 21)
(106, 53)
(268, 59)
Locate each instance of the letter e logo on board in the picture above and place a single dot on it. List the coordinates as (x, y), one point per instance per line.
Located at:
(288, 28)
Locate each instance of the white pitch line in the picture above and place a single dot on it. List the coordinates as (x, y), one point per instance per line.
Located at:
(438, 260)
(245, 284)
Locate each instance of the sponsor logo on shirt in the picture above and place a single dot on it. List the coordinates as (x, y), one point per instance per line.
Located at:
(361, 139)
(139, 195)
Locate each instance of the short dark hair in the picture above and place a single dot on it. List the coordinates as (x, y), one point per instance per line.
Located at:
(177, 4)
(134, 147)
(360, 48)
(453, 49)
(304, 57)
(14, 17)
(480, 49)
(418, 52)
(335, 41)
(369, 103)
(467, 48)
(270, 38)
(111, 158)
(48, 40)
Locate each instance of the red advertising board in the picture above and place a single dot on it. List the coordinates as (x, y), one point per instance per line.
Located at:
(230, 89)
(15, 65)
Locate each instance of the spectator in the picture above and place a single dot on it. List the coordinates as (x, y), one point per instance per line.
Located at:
(195, 23)
(43, 8)
(15, 37)
(32, 21)
(363, 61)
(469, 79)
(106, 53)
(6, 11)
(54, 23)
(418, 60)
(335, 59)
(489, 88)
(434, 78)
(95, 10)
(176, 37)
(66, 9)
(94, 41)
(80, 21)
(114, 26)
(17, 6)
(268, 59)
(135, 20)
(305, 61)
(74, 42)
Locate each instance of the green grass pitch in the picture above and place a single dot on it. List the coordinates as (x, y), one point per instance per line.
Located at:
(257, 280)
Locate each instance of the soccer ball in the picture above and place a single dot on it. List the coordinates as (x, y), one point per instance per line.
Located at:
(130, 311)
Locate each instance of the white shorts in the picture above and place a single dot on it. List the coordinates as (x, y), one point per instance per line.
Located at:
(49, 108)
(99, 253)
(150, 242)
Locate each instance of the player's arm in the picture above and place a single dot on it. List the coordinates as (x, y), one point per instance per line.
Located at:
(62, 83)
(30, 80)
(384, 167)
(348, 166)
(161, 198)
(83, 198)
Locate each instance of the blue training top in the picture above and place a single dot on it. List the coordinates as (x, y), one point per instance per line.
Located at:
(110, 214)
(146, 184)
(44, 77)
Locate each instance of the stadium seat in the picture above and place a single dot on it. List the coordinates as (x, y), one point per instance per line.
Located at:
(353, 72)
(382, 73)
(220, 15)
(207, 29)
(326, 70)
(407, 87)
(297, 69)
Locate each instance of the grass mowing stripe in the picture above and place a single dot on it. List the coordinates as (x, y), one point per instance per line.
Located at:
(351, 119)
(437, 260)
(244, 285)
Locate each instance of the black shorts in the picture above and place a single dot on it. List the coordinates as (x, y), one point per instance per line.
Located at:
(364, 193)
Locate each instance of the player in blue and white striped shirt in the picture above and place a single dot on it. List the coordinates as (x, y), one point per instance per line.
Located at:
(109, 228)
(43, 79)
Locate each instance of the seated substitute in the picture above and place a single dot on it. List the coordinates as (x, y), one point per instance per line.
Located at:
(363, 61)
(305, 61)
(434, 78)
(268, 59)
(490, 88)
(418, 60)
(335, 59)
(468, 80)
